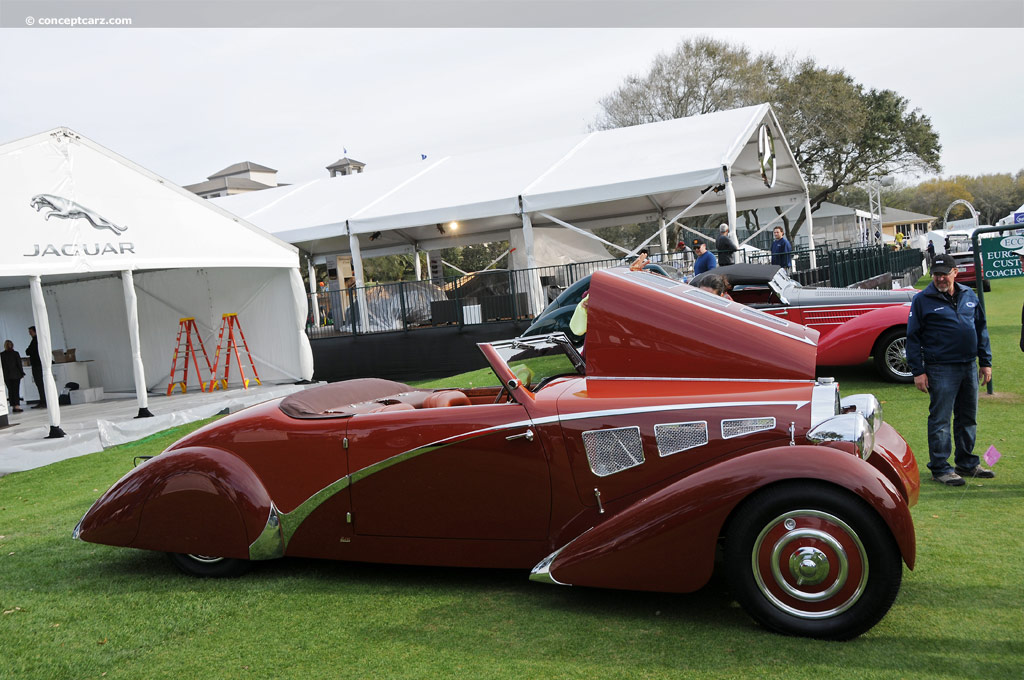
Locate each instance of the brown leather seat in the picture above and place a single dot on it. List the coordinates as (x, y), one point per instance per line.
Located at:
(445, 398)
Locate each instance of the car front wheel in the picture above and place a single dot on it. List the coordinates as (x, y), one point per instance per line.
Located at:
(891, 357)
(209, 567)
(812, 560)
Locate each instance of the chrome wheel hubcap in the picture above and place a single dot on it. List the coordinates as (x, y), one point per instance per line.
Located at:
(809, 564)
(896, 357)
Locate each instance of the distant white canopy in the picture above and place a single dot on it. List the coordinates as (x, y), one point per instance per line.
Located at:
(611, 177)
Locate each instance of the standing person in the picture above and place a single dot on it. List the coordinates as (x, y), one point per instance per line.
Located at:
(725, 246)
(931, 252)
(10, 361)
(705, 259)
(781, 249)
(946, 332)
(32, 352)
(1021, 254)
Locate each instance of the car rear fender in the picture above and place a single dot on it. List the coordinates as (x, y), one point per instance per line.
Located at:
(667, 541)
(196, 500)
(854, 341)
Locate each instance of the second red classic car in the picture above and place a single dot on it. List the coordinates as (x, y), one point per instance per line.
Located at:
(628, 470)
(855, 324)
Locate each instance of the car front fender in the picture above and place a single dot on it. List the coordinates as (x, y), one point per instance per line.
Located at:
(853, 342)
(197, 500)
(666, 541)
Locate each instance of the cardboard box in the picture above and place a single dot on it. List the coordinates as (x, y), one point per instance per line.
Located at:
(86, 396)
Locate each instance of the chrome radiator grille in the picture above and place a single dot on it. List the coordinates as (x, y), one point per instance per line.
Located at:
(614, 450)
(676, 437)
(737, 427)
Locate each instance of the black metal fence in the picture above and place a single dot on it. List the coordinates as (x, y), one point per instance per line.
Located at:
(848, 266)
(519, 295)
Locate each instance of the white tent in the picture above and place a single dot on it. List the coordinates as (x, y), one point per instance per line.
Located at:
(1009, 219)
(716, 163)
(75, 216)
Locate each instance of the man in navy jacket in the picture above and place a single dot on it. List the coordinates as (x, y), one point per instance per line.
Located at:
(946, 332)
(781, 249)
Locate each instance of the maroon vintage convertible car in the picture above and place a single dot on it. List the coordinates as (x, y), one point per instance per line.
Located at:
(625, 471)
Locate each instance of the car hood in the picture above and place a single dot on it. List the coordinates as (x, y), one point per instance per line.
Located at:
(644, 325)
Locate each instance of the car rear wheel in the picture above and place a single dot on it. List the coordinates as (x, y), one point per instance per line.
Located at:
(206, 566)
(812, 560)
(891, 357)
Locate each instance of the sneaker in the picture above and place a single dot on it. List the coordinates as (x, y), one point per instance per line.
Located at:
(949, 479)
(977, 472)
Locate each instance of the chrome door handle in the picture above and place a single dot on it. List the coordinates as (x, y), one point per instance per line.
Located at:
(528, 436)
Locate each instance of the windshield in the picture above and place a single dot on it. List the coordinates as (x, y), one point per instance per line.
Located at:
(533, 359)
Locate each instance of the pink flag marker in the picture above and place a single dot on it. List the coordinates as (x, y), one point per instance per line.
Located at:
(991, 456)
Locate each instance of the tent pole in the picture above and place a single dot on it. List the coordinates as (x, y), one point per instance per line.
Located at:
(730, 203)
(314, 300)
(536, 303)
(42, 322)
(357, 269)
(416, 264)
(810, 231)
(131, 306)
(663, 234)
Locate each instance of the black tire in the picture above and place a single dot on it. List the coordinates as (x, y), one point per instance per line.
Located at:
(209, 567)
(846, 552)
(890, 356)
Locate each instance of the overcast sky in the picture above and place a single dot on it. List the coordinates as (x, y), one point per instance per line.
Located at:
(186, 103)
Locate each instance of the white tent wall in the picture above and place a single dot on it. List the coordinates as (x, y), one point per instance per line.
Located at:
(256, 295)
(555, 246)
(90, 316)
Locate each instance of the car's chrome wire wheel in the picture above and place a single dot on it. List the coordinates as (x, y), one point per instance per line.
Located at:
(809, 564)
(206, 559)
(896, 357)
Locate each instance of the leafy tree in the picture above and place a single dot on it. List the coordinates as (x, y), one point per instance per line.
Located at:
(932, 197)
(840, 133)
(995, 196)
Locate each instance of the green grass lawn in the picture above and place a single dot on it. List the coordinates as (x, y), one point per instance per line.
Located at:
(77, 610)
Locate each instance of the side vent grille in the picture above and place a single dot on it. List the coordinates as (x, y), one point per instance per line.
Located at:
(737, 427)
(614, 450)
(676, 437)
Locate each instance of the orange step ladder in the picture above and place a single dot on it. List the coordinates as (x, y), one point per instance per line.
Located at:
(230, 322)
(187, 326)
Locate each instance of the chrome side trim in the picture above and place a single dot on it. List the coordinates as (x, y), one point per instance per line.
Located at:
(542, 572)
(663, 379)
(291, 521)
(270, 543)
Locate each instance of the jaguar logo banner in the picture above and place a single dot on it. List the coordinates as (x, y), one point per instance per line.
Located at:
(66, 209)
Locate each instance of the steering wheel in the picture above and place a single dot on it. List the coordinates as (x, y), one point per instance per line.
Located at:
(497, 399)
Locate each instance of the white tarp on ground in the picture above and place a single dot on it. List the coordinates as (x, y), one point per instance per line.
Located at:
(622, 176)
(72, 211)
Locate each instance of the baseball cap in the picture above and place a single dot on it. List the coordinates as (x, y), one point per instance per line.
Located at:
(942, 264)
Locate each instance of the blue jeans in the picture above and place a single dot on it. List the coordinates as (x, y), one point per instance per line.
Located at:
(953, 390)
